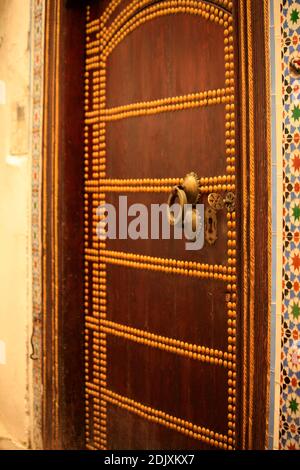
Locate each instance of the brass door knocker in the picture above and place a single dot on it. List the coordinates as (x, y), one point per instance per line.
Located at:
(186, 193)
(177, 195)
(189, 193)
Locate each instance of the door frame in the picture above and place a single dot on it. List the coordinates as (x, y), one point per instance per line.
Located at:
(62, 223)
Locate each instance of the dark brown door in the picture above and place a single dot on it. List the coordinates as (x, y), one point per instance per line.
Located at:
(172, 338)
(161, 320)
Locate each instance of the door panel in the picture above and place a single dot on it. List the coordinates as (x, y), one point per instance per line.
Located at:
(168, 382)
(173, 249)
(167, 144)
(161, 366)
(160, 309)
(163, 56)
(127, 430)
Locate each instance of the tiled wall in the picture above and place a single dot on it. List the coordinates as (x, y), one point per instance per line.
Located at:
(284, 429)
(289, 427)
(276, 115)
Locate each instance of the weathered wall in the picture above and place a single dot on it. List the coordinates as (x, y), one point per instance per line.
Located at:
(15, 188)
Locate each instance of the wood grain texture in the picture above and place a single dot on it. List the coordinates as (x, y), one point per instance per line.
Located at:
(65, 395)
(163, 59)
(188, 53)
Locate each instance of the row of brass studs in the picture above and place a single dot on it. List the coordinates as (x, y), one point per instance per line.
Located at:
(99, 171)
(96, 440)
(157, 189)
(215, 183)
(90, 60)
(93, 29)
(231, 233)
(229, 271)
(228, 4)
(231, 330)
(180, 99)
(176, 103)
(98, 341)
(92, 116)
(202, 353)
(138, 4)
(163, 181)
(231, 306)
(91, 24)
(166, 416)
(164, 347)
(230, 115)
(168, 421)
(209, 12)
(209, 353)
(86, 284)
(167, 269)
(108, 11)
(90, 390)
(93, 187)
(90, 447)
(94, 64)
(165, 108)
(129, 11)
(157, 11)
(92, 45)
(216, 268)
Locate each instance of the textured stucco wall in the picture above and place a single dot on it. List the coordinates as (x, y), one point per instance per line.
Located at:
(15, 186)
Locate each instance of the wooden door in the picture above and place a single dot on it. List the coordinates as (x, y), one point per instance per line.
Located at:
(169, 341)
(161, 321)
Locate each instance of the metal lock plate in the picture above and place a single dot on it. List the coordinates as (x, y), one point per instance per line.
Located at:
(211, 233)
(216, 202)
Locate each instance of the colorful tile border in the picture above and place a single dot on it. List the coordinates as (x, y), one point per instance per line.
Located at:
(276, 205)
(37, 77)
(289, 427)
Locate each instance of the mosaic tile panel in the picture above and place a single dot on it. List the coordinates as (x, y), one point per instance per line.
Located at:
(290, 354)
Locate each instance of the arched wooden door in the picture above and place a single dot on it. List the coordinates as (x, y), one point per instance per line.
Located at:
(172, 338)
(161, 322)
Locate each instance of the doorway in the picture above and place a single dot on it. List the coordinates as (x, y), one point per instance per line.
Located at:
(148, 345)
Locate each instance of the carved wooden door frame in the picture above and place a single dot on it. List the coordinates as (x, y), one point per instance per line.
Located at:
(62, 230)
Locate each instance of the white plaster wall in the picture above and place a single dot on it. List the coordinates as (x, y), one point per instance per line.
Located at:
(15, 309)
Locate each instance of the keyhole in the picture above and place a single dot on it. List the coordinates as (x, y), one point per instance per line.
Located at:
(210, 224)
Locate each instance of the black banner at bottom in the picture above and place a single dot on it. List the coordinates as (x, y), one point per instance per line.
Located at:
(162, 459)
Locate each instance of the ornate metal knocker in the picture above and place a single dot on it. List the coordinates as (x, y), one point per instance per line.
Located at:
(189, 193)
(186, 193)
(177, 194)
